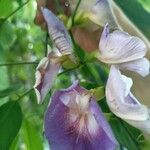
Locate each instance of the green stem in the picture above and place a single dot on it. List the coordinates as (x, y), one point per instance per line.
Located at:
(75, 11)
(23, 95)
(69, 70)
(19, 63)
(14, 12)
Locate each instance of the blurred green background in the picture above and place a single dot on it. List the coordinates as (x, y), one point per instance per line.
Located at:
(22, 45)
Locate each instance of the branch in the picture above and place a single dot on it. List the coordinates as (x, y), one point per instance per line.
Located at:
(5, 19)
(19, 63)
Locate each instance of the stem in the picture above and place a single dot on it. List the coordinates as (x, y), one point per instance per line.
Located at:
(26, 93)
(75, 11)
(19, 63)
(68, 70)
(14, 12)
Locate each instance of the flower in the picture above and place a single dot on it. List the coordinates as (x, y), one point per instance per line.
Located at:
(75, 121)
(100, 13)
(58, 32)
(123, 103)
(49, 66)
(124, 50)
(45, 75)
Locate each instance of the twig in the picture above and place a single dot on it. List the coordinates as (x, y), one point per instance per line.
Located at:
(75, 11)
(13, 12)
(26, 93)
(19, 63)
(68, 70)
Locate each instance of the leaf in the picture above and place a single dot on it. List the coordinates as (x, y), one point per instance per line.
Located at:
(6, 7)
(15, 143)
(7, 35)
(145, 4)
(10, 90)
(10, 123)
(104, 106)
(123, 134)
(137, 14)
(146, 145)
(31, 136)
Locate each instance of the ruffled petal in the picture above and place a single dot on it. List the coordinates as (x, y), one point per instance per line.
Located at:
(45, 75)
(58, 32)
(119, 47)
(73, 123)
(141, 66)
(122, 102)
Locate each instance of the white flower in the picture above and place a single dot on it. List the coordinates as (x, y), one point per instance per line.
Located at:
(124, 50)
(123, 103)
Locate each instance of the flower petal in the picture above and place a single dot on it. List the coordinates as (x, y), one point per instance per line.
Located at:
(101, 14)
(46, 73)
(141, 66)
(142, 125)
(120, 100)
(58, 32)
(119, 47)
(65, 130)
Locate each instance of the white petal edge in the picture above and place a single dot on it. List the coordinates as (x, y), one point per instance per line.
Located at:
(141, 66)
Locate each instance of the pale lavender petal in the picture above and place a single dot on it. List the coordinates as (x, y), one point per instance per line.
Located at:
(101, 14)
(46, 73)
(58, 32)
(62, 128)
(141, 66)
(142, 125)
(120, 47)
(122, 102)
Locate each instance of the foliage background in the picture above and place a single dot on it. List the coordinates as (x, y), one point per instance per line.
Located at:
(22, 45)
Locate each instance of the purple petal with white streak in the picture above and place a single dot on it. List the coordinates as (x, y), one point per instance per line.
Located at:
(65, 131)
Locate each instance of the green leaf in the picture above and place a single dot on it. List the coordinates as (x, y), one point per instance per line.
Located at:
(7, 35)
(10, 90)
(146, 145)
(15, 143)
(10, 123)
(123, 134)
(145, 4)
(104, 106)
(137, 14)
(31, 136)
(6, 7)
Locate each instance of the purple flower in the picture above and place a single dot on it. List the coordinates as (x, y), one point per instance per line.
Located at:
(74, 121)
(125, 51)
(58, 32)
(49, 66)
(45, 75)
